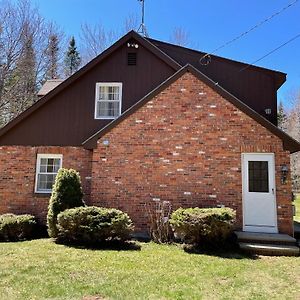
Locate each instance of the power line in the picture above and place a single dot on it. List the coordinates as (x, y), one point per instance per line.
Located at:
(271, 52)
(266, 55)
(202, 61)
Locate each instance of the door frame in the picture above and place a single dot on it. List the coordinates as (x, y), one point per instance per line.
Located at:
(273, 169)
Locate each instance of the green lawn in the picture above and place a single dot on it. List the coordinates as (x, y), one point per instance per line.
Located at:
(41, 269)
(297, 204)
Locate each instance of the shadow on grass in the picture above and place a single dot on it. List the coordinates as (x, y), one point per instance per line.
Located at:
(109, 245)
(230, 252)
(228, 249)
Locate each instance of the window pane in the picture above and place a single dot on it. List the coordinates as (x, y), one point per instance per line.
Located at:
(50, 181)
(45, 181)
(44, 161)
(56, 165)
(258, 176)
(108, 109)
(43, 164)
(109, 93)
(42, 181)
(50, 169)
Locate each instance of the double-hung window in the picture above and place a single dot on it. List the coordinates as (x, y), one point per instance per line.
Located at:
(108, 100)
(47, 166)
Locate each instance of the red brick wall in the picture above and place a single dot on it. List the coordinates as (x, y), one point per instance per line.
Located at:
(183, 146)
(17, 177)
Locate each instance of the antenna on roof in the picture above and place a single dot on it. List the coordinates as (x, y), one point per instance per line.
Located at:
(142, 28)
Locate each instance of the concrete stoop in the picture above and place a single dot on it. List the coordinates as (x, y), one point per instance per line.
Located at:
(268, 243)
(269, 249)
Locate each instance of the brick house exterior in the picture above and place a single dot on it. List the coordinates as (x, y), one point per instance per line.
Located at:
(182, 142)
(174, 150)
(17, 179)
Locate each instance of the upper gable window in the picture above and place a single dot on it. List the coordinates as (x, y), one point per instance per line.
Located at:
(108, 100)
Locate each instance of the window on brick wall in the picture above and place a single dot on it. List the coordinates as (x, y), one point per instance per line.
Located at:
(108, 100)
(47, 166)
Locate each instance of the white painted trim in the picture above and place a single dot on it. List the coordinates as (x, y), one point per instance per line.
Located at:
(258, 228)
(99, 84)
(37, 168)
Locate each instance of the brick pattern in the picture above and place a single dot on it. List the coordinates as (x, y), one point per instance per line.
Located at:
(184, 146)
(17, 177)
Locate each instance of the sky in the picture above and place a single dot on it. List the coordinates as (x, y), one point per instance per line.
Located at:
(209, 23)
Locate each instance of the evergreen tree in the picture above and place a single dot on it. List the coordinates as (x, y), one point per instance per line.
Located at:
(282, 117)
(72, 58)
(52, 54)
(66, 193)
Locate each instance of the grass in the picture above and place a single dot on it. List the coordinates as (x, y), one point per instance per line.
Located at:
(297, 204)
(41, 269)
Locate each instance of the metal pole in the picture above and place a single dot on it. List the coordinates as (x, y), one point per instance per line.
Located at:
(142, 28)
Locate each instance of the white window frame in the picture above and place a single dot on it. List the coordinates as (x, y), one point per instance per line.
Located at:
(109, 84)
(37, 170)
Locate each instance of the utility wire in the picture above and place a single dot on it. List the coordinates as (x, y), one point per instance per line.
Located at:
(271, 52)
(266, 55)
(202, 59)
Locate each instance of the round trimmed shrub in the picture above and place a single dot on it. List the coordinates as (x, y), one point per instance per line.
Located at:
(66, 193)
(203, 226)
(17, 227)
(93, 225)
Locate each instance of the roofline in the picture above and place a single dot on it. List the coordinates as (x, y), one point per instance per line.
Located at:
(289, 143)
(281, 76)
(131, 34)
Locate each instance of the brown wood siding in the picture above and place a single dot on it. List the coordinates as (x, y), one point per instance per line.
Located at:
(256, 87)
(68, 118)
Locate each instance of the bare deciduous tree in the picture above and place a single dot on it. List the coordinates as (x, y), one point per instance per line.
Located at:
(180, 37)
(131, 23)
(52, 55)
(24, 42)
(292, 126)
(94, 40)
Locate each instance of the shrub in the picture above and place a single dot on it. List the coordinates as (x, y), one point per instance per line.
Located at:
(158, 213)
(66, 193)
(93, 225)
(17, 227)
(203, 226)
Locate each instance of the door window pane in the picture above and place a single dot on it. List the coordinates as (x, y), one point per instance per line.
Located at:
(258, 172)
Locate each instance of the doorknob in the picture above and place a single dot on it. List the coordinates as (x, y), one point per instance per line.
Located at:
(273, 191)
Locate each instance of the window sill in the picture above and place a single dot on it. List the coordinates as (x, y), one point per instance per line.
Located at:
(42, 194)
(106, 118)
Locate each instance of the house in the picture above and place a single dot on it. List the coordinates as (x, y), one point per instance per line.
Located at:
(146, 120)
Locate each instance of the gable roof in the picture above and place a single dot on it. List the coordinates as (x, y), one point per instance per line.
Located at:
(185, 56)
(159, 49)
(130, 35)
(288, 142)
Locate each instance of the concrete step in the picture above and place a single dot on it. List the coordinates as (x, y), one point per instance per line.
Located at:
(266, 238)
(269, 249)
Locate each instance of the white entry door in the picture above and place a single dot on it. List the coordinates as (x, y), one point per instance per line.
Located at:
(259, 199)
